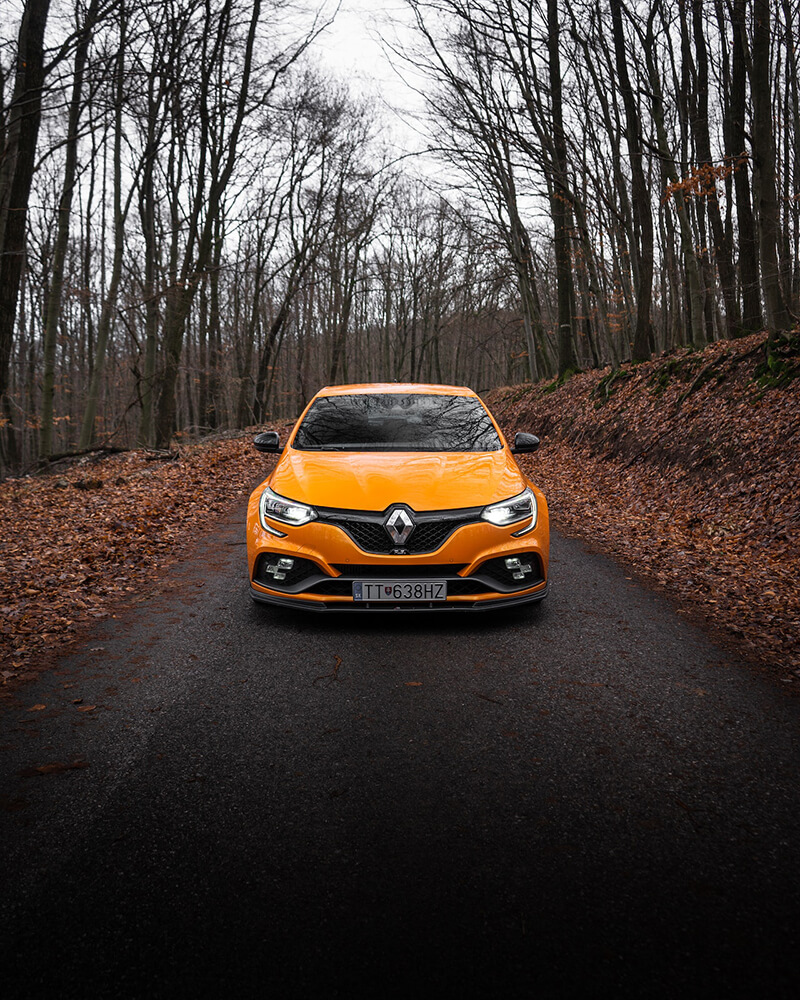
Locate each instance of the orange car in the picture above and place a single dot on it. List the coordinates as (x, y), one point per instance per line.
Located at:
(397, 496)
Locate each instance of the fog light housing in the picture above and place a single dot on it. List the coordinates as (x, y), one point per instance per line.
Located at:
(518, 569)
(279, 569)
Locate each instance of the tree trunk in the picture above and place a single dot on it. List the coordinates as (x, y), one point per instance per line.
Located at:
(748, 243)
(792, 172)
(559, 201)
(53, 309)
(643, 219)
(16, 175)
(110, 302)
(691, 266)
(764, 158)
(180, 300)
(722, 245)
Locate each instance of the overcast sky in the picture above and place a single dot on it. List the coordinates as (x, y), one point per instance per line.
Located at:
(353, 50)
(352, 45)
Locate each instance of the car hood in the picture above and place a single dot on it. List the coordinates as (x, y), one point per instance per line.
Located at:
(374, 480)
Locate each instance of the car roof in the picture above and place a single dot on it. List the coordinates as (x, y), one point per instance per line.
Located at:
(365, 388)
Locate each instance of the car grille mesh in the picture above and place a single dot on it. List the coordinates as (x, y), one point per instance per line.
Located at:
(392, 571)
(431, 531)
(456, 586)
(344, 588)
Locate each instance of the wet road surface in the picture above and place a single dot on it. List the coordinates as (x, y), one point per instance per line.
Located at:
(579, 798)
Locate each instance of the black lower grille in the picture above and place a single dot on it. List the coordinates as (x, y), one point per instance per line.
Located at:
(332, 588)
(463, 588)
(456, 586)
(398, 572)
(492, 576)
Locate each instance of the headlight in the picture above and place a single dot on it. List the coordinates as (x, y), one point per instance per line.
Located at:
(510, 511)
(281, 509)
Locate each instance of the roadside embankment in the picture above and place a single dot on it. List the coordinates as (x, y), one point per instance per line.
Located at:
(687, 469)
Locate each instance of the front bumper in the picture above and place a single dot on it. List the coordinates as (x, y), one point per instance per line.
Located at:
(484, 603)
(315, 565)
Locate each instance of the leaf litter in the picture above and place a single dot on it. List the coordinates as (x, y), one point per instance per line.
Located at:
(685, 469)
(70, 556)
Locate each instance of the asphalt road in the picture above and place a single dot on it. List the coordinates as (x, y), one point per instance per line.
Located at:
(577, 799)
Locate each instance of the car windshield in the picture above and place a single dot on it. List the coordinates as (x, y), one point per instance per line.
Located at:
(397, 422)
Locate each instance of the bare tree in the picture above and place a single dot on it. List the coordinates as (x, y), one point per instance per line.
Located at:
(53, 310)
(764, 157)
(17, 162)
(640, 193)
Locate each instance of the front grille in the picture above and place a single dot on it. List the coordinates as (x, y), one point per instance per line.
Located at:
(431, 531)
(369, 537)
(456, 586)
(332, 588)
(398, 572)
(463, 588)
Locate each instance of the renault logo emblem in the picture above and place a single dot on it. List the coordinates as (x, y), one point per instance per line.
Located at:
(399, 524)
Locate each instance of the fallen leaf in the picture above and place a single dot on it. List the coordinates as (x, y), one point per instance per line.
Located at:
(334, 675)
(486, 697)
(86, 708)
(57, 768)
(37, 708)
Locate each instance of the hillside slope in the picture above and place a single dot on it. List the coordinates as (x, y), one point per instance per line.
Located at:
(687, 468)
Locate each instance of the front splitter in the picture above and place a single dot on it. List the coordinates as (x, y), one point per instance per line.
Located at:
(384, 606)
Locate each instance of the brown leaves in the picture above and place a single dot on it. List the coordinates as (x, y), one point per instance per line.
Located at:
(72, 546)
(57, 768)
(701, 182)
(334, 675)
(686, 470)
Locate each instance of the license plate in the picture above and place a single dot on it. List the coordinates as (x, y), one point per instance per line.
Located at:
(400, 590)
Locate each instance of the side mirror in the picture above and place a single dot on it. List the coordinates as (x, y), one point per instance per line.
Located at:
(268, 442)
(524, 443)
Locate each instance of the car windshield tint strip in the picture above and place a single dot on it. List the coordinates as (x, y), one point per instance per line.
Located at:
(397, 422)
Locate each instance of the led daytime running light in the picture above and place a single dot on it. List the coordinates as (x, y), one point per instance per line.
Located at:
(278, 508)
(513, 510)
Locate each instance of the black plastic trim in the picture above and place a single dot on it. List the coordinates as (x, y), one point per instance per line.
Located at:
(377, 607)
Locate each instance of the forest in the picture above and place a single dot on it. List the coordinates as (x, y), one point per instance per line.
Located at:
(201, 224)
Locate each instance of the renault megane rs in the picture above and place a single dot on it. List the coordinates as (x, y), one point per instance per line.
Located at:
(397, 496)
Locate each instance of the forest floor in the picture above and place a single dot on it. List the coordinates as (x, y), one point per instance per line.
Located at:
(686, 469)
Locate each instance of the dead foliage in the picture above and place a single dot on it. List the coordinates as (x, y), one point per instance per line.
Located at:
(687, 468)
(56, 768)
(80, 542)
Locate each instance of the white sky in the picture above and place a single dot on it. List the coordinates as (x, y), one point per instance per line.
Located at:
(352, 49)
(351, 46)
